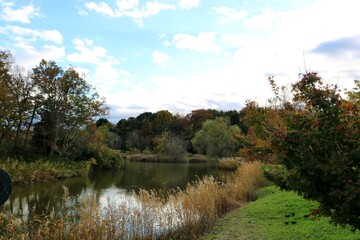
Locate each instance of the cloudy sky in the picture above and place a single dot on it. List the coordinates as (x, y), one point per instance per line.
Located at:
(182, 55)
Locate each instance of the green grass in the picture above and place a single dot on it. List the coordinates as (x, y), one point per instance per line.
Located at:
(266, 219)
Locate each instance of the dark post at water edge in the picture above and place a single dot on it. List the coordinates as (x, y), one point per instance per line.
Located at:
(5, 186)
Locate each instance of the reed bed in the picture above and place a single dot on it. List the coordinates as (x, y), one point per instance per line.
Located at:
(182, 214)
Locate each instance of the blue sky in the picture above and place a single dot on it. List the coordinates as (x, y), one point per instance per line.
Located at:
(182, 55)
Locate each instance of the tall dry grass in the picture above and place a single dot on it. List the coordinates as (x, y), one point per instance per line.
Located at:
(183, 214)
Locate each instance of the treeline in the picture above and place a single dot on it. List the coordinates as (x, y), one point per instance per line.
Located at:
(154, 132)
(49, 113)
(53, 113)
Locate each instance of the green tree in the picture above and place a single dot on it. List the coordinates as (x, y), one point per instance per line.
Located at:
(68, 103)
(320, 148)
(170, 145)
(217, 138)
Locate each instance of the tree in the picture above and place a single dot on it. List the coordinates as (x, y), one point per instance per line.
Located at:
(68, 103)
(18, 103)
(6, 99)
(320, 148)
(170, 145)
(217, 138)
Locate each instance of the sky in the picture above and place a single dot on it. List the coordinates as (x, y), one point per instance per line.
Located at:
(182, 55)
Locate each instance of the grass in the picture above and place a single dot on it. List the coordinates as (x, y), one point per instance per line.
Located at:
(278, 215)
(41, 170)
(230, 164)
(149, 215)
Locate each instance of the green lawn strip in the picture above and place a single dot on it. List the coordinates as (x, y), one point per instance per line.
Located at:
(277, 215)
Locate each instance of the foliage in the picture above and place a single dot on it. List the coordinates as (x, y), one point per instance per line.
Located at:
(172, 146)
(277, 174)
(320, 148)
(68, 102)
(354, 94)
(18, 105)
(45, 111)
(100, 146)
(142, 132)
(217, 138)
(44, 170)
(277, 215)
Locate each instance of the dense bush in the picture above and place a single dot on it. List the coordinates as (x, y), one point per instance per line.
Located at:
(320, 148)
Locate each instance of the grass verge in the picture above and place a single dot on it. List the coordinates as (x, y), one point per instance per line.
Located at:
(277, 215)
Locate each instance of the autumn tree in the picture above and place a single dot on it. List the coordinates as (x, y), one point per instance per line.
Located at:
(320, 148)
(68, 103)
(6, 100)
(18, 103)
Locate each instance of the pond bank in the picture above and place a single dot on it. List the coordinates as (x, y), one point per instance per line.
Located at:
(44, 170)
(277, 215)
(161, 158)
(184, 214)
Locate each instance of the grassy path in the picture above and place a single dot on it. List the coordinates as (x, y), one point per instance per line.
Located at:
(277, 215)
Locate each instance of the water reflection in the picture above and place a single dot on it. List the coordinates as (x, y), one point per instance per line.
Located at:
(34, 199)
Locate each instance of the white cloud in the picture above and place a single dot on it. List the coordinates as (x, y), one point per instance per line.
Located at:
(29, 55)
(228, 14)
(106, 74)
(30, 46)
(160, 58)
(130, 8)
(166, 43)
(23, 14)
(187, 4)
(204, 42)
(87, 52)
(100, 8)
(124, 5)
(46, 35)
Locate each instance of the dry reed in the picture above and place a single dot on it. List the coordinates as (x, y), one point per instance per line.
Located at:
(185, 214)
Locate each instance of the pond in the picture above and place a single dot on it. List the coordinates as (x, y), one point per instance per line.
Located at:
(33, 199)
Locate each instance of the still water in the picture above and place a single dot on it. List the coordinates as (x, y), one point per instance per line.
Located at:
(33, 199)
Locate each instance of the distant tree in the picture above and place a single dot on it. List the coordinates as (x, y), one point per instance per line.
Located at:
(198, 117)
(101, 122)
(217, 138)
(354, 94)
(234, 117)
(162, 121)
(170, 145)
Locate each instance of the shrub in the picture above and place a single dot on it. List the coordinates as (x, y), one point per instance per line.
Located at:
(320, 148)
(229, 163)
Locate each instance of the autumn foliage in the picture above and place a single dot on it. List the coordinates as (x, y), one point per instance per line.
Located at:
(320, 148)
